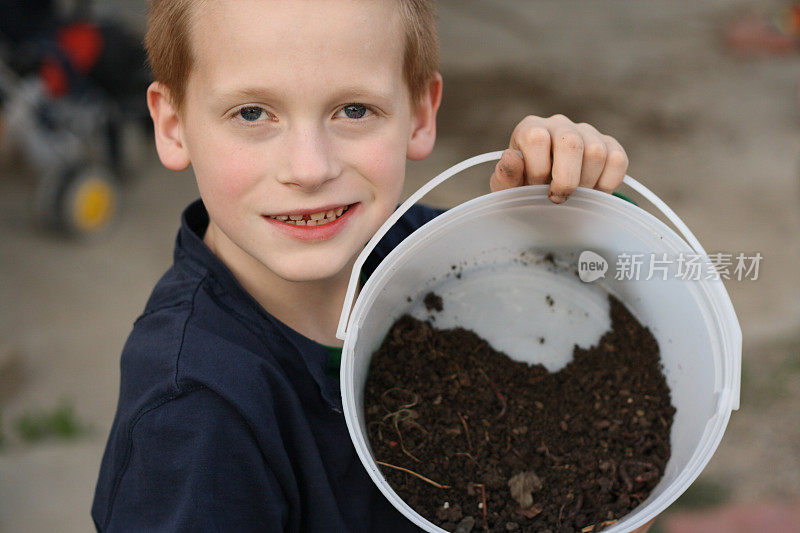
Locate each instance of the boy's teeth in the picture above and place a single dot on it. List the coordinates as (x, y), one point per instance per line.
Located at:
(314, 219)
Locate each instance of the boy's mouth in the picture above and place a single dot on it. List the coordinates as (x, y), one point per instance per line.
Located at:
(312, 219)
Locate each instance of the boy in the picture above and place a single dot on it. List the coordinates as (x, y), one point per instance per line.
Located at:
(297, 118)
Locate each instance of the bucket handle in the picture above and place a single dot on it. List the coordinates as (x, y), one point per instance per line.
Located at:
(341, 331)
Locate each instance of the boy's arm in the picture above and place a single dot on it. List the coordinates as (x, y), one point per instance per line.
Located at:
(194, 465)
(555, 150)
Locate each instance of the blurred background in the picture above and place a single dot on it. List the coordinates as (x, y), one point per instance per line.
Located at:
(703, 95)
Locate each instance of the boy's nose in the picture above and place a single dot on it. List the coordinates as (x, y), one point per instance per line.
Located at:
(309, 157)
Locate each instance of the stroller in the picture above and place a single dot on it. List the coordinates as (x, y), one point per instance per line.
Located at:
(72, 96)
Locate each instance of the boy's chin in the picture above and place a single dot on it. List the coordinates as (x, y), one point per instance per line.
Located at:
(311, 272)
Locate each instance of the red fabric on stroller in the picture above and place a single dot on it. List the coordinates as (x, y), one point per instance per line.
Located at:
(81, 44)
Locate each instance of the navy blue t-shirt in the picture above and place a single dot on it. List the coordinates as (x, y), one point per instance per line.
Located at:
(227, 418)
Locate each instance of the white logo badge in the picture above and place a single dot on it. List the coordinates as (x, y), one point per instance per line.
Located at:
(591, 266)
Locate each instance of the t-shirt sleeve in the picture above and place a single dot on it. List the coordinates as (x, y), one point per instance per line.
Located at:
(195, 465)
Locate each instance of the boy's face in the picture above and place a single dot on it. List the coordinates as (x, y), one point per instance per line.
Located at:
(300, 107)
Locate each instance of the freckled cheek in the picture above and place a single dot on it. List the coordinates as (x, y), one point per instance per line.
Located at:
(383, 164)
(226, 172)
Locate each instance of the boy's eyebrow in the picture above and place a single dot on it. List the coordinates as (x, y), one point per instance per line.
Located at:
(250, 92)
(344, 93)
(362, 92)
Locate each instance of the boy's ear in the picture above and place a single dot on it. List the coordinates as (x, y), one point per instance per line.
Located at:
(169, 140)
(423, 133)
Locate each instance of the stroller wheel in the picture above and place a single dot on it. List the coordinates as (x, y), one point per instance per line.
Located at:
(88, 202)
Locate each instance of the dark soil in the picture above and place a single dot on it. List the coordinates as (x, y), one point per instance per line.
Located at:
(473, 440)
(433, 302)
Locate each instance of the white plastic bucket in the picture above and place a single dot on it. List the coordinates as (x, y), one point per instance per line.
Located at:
(503, 300)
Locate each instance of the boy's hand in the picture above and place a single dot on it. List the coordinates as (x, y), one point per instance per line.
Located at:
(562, 153)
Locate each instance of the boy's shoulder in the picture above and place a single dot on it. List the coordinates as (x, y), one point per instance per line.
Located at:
(199, 328)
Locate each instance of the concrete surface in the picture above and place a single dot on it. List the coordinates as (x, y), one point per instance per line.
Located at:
(716, 137)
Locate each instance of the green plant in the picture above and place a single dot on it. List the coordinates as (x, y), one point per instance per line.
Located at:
(62, 422)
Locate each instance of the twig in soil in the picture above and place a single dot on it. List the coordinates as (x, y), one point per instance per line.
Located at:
(590, 527)
(487, 378)
(404, 412)
(578, 504)
(500, 396)
(414, 396)
(502, 403)
(483, 504)
(625, 478)
(466, 429)
(400, 434)
(380, 433)
(407, 416)
(420, 476)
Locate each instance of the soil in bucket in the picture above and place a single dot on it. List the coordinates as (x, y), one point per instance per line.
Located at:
(474, 441)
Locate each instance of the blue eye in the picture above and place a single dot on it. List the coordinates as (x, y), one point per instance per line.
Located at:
(251, 114)
(355, 111)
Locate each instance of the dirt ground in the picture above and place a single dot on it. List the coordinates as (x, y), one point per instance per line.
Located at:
(715, 136)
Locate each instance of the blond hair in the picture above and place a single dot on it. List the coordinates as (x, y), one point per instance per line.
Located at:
(169, 49)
